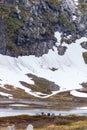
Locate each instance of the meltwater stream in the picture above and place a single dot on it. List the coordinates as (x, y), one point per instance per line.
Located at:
(12, 112)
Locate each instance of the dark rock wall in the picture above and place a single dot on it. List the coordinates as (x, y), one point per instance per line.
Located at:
(27, 27)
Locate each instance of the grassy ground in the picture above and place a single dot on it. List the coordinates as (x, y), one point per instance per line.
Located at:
(71, 122)
(59, 101)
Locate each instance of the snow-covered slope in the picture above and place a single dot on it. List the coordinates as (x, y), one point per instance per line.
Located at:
(70, 72)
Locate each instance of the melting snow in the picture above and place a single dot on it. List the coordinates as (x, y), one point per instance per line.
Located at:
(5, 94)
(18, 105)
(74, 17)
(71, 69)
(18, 11)
(76, 2)
(58, 37)
(78, 94)
(82, 108)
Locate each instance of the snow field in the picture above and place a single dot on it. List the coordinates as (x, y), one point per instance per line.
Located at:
(71, 69)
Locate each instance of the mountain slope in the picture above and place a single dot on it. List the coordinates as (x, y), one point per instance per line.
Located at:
(68, 71)
(43, 47)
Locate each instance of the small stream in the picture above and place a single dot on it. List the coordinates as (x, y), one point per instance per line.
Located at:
(12, 112)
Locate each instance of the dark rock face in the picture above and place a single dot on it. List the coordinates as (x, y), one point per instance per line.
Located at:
(61, 50)
(29, 26)
(2, 37)
(2, 45)
(85, 57)
(84, 45)
(39, 49)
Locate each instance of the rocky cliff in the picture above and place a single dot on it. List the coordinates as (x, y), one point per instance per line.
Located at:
(27, 26)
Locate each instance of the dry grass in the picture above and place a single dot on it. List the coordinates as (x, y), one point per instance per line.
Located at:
(59, 101)
(80, 125)
(46, 123)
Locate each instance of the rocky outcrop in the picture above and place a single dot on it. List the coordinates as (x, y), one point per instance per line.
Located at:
(2, 37)
(84, 45)
(61, 50)
(85, 57)
(29, 26)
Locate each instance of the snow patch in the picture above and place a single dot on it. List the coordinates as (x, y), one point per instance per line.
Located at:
(18, 105)
(18, 11)
(74, 17)
(5, 94)
(76, 2)
(78, 94)
(58, 37)
(82, 108)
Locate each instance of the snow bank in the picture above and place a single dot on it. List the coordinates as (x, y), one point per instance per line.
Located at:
(5, 94)
(78, 94)
(82, 108)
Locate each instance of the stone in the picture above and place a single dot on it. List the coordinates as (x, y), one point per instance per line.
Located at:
(84, 45)
(61, 50)
(11, 127)
(29, 127)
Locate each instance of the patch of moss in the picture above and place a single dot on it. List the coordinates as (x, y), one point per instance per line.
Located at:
(62, 19)
(4, 10)
(71, 27)
(54, 2)
(14, 24)
(25, 13)
(12, 48)
(83, 7)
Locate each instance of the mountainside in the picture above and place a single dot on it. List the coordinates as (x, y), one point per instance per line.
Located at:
(27, 27)
(43, 47)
